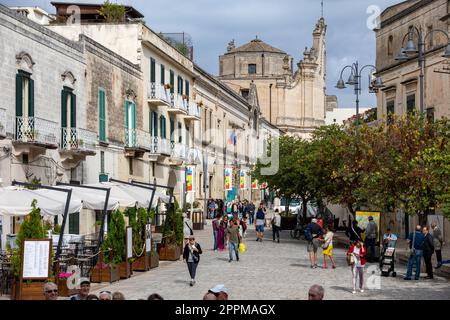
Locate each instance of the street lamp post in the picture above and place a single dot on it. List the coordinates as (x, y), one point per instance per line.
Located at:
(411, 50)
(355, 80)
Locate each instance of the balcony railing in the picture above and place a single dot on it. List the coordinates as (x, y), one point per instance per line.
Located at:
(36, 130)
(138, 139)
(179, 151)
(194, 110)
(78, 139)
(157, 92)
(180, 104)
(195, 156)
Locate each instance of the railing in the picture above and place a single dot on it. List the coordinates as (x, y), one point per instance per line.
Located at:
(135, 138)
(195, 156)
(180, 103)
(160, 146)
(194, 110)
(157, 91)
(36, 130)
(78, 139)
(179, 151)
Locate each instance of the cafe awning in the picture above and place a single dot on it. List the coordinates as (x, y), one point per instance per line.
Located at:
(16, 201)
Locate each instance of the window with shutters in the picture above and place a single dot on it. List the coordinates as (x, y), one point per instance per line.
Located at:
(152, 70)
(163, 74)
(172, 130)
(154, 124)
(68, 108)
(172, 81)
(252, 69)
(130, 123)
(162, 121)
(102, 115)
(24, 100)
(180, 132)
(187, 90)
(180, 85)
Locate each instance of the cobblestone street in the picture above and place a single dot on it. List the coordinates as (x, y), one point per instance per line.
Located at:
(273, 271)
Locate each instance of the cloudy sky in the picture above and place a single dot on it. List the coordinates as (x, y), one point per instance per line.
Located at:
(285, 24)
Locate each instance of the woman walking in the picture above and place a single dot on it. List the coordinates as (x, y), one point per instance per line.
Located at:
(221, 233)
(191, 254)
(327, 247)
(357, 261)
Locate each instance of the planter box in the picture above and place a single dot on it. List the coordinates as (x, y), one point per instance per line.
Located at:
(63, 291)
(108, 274)
(154, 260)
(141, 263)
(169, 253)
(125, 270)
(28, 291)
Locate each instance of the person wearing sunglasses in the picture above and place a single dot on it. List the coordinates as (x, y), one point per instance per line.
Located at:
(50, 291)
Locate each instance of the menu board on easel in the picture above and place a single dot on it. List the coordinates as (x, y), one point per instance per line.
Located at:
(36, 259)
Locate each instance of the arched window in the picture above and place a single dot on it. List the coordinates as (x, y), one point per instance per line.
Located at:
(390, 48)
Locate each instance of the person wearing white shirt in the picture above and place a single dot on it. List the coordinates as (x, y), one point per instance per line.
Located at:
(276, 225)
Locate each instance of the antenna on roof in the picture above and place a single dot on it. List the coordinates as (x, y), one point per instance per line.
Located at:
(321, 3)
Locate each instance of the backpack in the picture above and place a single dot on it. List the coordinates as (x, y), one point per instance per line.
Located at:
(308, 235)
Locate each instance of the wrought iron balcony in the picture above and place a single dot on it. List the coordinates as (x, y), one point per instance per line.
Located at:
(37, 131)
(179, 151)
(78, 140)
(159, 95)
(179, 105)
(160, 146)
(138, 139)
(193, 111)
(195, 156)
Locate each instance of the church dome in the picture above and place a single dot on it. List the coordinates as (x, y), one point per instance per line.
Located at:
(256, 45)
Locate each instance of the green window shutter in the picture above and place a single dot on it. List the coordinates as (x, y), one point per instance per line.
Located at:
(126, 115)
(102, 115)
(73, 111)
(172, 129)
(180, 85)
(19, 95)
(154, 122)
(163, 75)
(133, 120)
(180, 137)
(152, 70)
(63, 108)
(172, 81)
(187, 88)
(163, 126)
(30, 97)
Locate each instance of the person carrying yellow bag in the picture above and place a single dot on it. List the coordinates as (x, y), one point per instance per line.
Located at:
(242, 247)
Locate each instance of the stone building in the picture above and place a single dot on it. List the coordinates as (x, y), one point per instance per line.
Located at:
(43, 119)
(401, 78)
(293, 100)
(402, 91)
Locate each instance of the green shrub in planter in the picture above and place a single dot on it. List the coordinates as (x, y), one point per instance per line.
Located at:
(115, 244)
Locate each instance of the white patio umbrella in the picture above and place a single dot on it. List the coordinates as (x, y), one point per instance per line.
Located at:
(16, 201)
(93, 199)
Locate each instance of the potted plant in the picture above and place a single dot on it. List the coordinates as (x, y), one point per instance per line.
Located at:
(138, 219)
(31, 228)
(63, 289)
(113, 249)
(171, 245)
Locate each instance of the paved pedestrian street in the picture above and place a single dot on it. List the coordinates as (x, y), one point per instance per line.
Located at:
(272, 271)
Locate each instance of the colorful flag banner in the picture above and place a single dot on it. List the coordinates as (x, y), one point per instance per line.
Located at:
(232, 139)
(190, 171)
(255, 185)
(243, 180)
(264, 185)
(229, 179)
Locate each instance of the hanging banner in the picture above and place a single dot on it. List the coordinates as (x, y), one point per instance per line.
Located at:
(255, 185)
(243, 180)
(264, 185)
(190, 171)
(229, 179)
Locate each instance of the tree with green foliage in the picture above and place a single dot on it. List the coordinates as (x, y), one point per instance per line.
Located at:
(114, 246)
(112, 12)
(173, 226)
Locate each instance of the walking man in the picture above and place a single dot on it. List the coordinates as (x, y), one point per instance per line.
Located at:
(415, 242)
(276, 225)
(371, 238)
(313, 232)
(234, 239)
(251, 212)
(428, 250)
(259, 222)
(438, 243)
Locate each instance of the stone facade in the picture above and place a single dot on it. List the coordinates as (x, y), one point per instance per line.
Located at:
(293, 100)
(402, 78)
